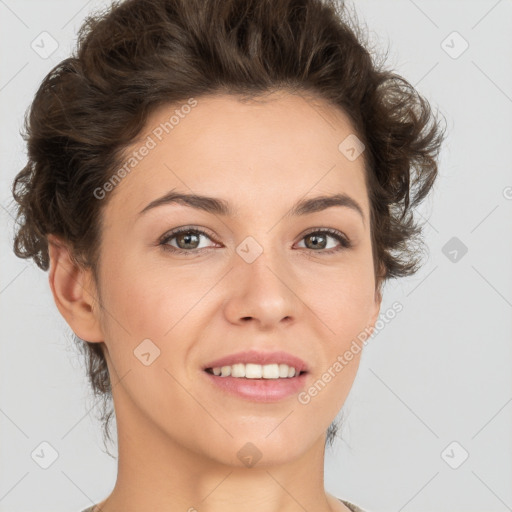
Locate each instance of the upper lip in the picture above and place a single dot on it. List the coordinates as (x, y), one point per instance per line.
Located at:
(257, 357)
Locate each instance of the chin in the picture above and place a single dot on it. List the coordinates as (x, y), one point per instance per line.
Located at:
(258, 449)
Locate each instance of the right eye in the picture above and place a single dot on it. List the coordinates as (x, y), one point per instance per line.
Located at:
(185, 237)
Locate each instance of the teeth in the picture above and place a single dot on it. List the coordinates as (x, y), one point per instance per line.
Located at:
(238, 370)
(256, 371)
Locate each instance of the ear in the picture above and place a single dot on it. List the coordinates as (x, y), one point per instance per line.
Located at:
(376, 308)
(378, 298)
(74, 292)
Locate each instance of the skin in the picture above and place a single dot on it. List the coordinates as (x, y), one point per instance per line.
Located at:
(178, 435)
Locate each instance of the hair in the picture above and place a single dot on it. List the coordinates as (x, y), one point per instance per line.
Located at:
(138, 55)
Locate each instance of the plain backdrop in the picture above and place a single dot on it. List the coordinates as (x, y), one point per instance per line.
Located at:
(428, 422)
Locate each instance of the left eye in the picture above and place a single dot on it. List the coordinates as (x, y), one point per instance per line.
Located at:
(314, 236)
(188, 241)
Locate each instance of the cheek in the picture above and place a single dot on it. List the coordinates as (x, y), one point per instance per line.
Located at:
(148, 301)
(128, 296)
(343, 309)
(343, 299)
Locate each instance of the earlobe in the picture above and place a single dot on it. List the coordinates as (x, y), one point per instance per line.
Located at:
(74, 292)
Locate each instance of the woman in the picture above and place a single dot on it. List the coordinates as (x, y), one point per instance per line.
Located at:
(219, 190)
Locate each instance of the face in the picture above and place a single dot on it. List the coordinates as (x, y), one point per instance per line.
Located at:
(260, 277)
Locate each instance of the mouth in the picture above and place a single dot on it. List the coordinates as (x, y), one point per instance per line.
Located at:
(258, 376)
(256, 364)
(256, 388)
(251, 372)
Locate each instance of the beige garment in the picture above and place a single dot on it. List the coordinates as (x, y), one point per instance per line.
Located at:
(351, 506)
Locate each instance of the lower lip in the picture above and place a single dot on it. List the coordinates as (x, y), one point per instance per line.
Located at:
(259, 390)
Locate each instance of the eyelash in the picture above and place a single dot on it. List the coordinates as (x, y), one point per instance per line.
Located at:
(345, 243)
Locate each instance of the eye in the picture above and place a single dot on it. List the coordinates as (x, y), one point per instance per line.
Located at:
(318, 240)
(188, 240)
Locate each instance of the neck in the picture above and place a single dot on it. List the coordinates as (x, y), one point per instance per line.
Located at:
(157, 473)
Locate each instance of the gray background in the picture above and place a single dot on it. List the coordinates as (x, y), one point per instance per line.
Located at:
(438, 373)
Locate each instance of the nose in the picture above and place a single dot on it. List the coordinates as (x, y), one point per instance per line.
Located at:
(264, 291)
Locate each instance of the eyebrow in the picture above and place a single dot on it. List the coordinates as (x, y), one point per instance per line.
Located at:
(221, 207)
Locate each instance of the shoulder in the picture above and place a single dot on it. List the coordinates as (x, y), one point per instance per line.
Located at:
(89, 509)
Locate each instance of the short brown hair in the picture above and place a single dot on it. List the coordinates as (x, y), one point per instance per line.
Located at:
(140, 54)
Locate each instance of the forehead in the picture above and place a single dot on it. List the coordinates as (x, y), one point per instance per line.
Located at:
(259, 152)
